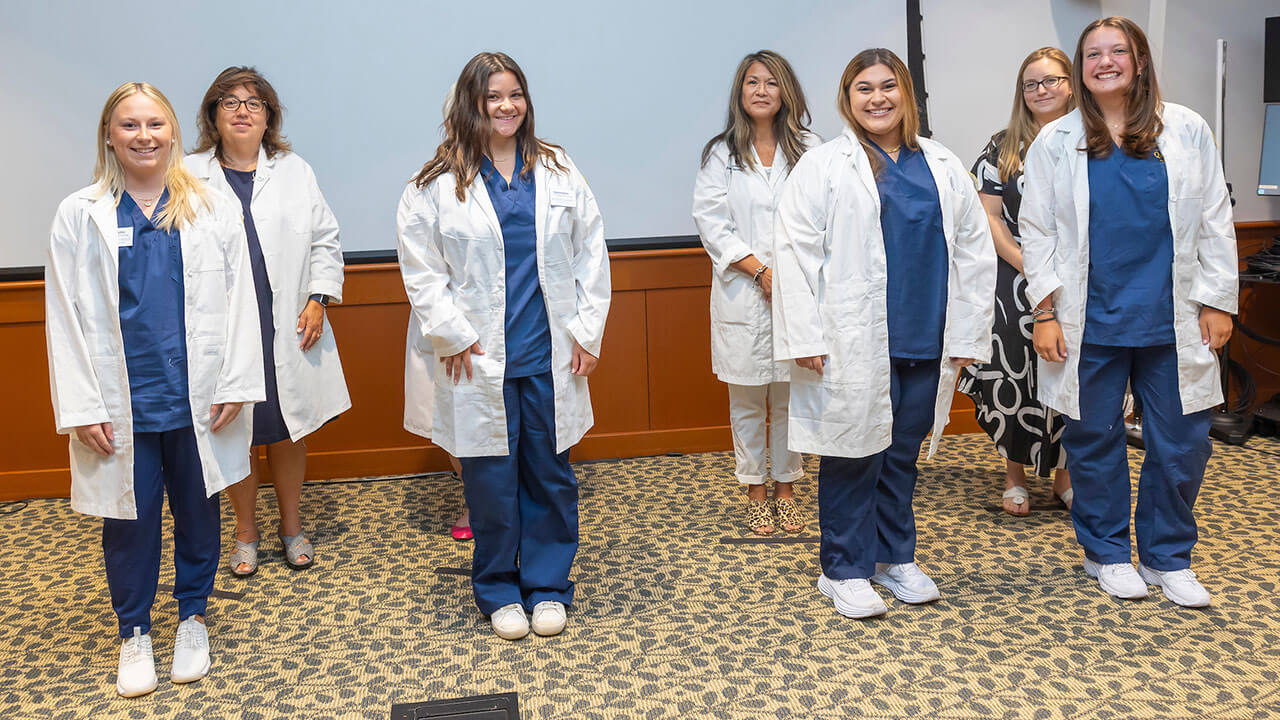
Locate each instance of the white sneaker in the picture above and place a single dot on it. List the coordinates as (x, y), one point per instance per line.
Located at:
(509, 622)
(906, 582)
(853, 597)
(190, 652)
(136, 674)
(1118, 579)
(1179, 586)
(548, 617)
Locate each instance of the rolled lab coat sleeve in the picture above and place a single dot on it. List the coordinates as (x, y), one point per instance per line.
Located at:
(73, 383)
(799, 250)
(1037, 224)
(1216, 281)
(240, 379)
(973, 267)
(591, 277)
(712, 216)
(326, 250)
(445, 331)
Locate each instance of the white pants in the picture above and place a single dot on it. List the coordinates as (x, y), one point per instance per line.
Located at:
(748, 406)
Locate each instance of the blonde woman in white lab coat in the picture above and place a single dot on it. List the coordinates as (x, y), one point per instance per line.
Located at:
(734, 196)
(1129, 250)
(153, 349)
(297, 268)
(884, 289)
(504, 261)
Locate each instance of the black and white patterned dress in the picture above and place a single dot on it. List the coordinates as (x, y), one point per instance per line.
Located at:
(1004, 390)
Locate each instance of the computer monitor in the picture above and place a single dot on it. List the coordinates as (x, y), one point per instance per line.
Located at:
(1269, 168)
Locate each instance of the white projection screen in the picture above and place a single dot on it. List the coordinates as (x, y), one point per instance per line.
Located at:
(632, 90)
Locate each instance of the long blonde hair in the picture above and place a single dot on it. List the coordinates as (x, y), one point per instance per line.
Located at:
(184, 189)
(910, 111)
(1022, 124)
(790, 124)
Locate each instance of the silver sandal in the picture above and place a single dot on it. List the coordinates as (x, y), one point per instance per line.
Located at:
(295, 546)
(246, 553)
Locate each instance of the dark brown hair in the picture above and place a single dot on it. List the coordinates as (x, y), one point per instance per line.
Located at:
(467, 128)
(1142, 124)
(910, 111)
(273, 141)
(789, 125)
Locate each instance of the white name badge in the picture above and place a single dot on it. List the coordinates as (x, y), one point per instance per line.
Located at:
(562, 198)
(124, 237)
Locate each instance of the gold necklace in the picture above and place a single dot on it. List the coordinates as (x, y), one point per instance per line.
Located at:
(146, 202)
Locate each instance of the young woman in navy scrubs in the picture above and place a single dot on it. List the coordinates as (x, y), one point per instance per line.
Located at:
(884, 287)
(1130, 256)
(504, 262)
(152, 351)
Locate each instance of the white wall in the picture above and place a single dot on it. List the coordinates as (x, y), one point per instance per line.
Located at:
(632, 90)
(970, 73)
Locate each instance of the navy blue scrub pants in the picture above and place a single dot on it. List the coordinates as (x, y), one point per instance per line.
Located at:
(864, 504)
(1177, 450)
(524, 506)
(163, 461)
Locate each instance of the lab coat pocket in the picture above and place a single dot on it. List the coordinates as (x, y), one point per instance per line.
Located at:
(108, 370)
(850, 332)
(1197, 367)
(737, 301)
(559, 286)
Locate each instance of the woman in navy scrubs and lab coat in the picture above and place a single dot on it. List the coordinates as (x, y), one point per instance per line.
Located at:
(884, 288)
(1130, 257)
(504, 262)
(153, 349)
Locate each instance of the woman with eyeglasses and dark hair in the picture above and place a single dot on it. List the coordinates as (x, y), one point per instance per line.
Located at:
(742, 174)
(1130, 255)
(884, 290)
(297, 271)
(504, 261)
(1025, 432)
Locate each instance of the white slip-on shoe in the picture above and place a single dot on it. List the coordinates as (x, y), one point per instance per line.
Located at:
(136, 674)
(1118, 579)
(1180, 586)
(906, 582)
(190, 652)
(853, 598)
(548, 617)
(509, 622)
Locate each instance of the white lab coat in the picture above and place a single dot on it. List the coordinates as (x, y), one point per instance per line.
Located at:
(1054, 224)
(299, 238)
(87, 373)
(733, 209)
(419, 388)
(451, 258)
(829, 295)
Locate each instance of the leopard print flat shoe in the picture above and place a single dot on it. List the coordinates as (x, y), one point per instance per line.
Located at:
(789, 516)
(760, 517)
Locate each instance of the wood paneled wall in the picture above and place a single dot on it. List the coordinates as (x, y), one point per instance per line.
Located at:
(652, 393)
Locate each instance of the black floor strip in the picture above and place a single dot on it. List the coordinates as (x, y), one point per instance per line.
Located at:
(220, 594)
(786, 540)
(465, 572)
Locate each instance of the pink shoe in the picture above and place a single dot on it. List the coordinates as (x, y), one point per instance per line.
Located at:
(461, 533)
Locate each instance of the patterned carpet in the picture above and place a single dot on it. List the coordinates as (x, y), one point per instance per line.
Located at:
(671, 621)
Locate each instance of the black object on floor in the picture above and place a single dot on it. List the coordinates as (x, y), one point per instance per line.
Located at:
(480, 707)
(453, 571)
(220, 594)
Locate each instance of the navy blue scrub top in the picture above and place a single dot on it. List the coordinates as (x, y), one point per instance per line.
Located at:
(915, 249)
(1130, 252)
(151, 319)
(528, 333)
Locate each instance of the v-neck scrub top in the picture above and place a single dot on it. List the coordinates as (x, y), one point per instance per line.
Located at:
(152, 303)
(915, 249)
(1130, 301)
(528, 332)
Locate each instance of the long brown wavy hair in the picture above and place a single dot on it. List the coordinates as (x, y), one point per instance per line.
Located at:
(789, 125)
(910, 111)
(273, 141)
(1022, 124)
(1142, 123)
(467, 127)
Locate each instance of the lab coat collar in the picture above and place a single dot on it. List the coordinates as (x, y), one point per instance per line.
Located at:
(861, 164)
(102, 209)
(209, 169)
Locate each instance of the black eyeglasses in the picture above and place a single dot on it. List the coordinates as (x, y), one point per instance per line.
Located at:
(231, 103)
(1049, 83)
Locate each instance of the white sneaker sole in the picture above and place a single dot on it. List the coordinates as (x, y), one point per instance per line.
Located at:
(137, 692)
(903, 593)
(183, 679)
(1091, 569)
(1151, 578)
(540, 629)
(845, 609)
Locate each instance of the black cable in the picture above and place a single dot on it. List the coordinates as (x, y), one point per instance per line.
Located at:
(9, 507)
(1247, 391)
